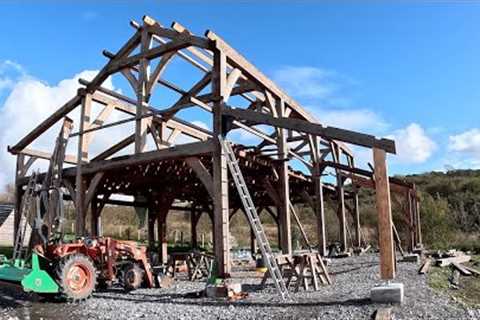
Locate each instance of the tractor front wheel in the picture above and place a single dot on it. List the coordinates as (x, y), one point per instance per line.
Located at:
(132, 276)
(76, 275)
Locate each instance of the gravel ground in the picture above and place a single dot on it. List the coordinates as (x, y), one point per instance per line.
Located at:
(347, 298)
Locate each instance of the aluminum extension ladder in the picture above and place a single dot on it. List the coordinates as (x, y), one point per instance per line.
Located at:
(19, 249)
(254, 219)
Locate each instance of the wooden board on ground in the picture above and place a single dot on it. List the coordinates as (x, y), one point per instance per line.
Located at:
(473, 271)
(425, 267)
(462, 269)
(445, 262)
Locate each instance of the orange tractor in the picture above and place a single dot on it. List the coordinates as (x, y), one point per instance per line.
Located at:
(79, 266)
(47, 264)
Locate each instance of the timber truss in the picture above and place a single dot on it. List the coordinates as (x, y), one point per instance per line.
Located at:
(238, 97)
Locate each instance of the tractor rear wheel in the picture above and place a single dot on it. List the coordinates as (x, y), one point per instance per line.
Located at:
(77, 277)
(132, 276)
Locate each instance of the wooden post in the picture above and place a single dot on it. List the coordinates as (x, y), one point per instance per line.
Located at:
(162, 235)
(341, 214)
(220, 171)
(418, 222)
(94, 217)
(151, 227)
(356, 208)
(193, 226)
(142, 95)
(411, 227)
(319, 209)
(284, 187)
(82, 156)
(384, 211)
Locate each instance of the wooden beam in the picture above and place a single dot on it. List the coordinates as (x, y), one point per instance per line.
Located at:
(384, 211)
(176, 152)
(298, 125)
(202, 174)
(46, 124)
(71, 159)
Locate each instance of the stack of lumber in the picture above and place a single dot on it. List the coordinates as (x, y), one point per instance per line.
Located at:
(452, 258)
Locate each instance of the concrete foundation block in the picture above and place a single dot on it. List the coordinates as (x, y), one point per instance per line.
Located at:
(223, 290)
(388, 293)
(216, 292)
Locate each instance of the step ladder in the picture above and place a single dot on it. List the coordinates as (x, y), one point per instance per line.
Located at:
(28, 199)
(254, 219)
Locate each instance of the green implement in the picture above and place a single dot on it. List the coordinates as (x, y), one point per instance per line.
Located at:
(33, 279)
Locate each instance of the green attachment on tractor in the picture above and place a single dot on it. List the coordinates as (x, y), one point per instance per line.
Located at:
(32, 279)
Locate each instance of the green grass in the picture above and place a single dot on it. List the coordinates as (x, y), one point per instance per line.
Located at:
(469, 289)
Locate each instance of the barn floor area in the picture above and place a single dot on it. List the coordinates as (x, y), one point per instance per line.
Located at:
(347, 298)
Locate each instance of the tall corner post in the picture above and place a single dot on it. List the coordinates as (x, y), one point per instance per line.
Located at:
(284, 216)
(319, 209)
(82, 157)
(384, 211)
(220, 171)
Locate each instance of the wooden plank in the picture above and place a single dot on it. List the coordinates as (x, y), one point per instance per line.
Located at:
(445, 262)
(425, 267)
(384, 211)
(475, 272)
(464, 271)
(71, 159)
(298, 125)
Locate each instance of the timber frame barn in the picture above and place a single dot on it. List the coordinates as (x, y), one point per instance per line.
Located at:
(196, 172)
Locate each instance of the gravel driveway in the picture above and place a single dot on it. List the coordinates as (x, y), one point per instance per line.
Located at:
(347, 298)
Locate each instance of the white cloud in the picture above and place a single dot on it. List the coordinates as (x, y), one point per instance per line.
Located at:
(413, 144)
(467, 142)
(10, 72)
(351, 119)
(28, 103)
(309, 82)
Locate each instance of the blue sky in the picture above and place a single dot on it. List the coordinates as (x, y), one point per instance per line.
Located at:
(407, 70)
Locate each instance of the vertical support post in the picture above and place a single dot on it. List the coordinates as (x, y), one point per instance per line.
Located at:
(220, 171)
(411, 227)
(142, 95)
(284, 186)
(418, 221)
(336, 153)
(82, 156)
(341, 214)
(162, 234)
(384, 211)
(193, 226)
(356, 208)
(94, 208)
(18, 194)
(319, 209)
(151, 227)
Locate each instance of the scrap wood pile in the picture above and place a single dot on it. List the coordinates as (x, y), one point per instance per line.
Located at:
(452, 258)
